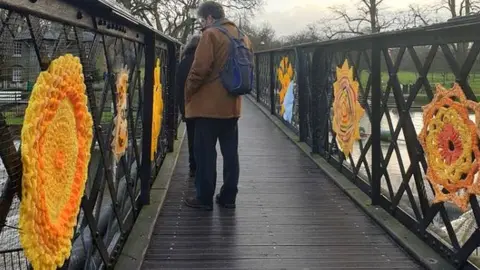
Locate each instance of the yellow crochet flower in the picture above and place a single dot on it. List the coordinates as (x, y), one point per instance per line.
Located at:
(157, 109)
(120, 132)
(285, 75)
(347, 112)
(56, 139)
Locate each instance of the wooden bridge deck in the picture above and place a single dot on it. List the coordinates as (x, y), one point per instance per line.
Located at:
(289, 215)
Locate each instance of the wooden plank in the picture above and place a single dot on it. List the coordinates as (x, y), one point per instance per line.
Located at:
(289, 216)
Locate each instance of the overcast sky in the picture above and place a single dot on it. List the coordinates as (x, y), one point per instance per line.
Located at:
(290, 16)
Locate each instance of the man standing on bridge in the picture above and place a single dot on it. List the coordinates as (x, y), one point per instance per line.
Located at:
(215, 109)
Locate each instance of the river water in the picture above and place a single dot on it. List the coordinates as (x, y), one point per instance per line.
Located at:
(463, 223)
(393, 167)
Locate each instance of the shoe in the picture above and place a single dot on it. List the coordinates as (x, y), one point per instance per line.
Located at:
(195, 203)
(191, 173)
(219, 201)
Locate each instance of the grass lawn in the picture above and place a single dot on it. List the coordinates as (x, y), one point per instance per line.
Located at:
(408, 77)
(14, 121)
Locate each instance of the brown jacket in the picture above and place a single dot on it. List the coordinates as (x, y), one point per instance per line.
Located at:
(205, 95)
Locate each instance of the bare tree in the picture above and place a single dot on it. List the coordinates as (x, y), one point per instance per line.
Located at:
(311, 33)
(262, 37)
(442, 10)
(457, 8)
(422, 15)
(367, 18)
(372, 16)
(445, 9)
(333, 28)
(172, 16)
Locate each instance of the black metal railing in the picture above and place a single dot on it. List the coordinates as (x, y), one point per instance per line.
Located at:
(107, 40)
(397, 73)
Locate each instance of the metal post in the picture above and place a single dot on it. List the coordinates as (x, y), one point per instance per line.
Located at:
(257, 78)
(302, 95)
(177, 109)
(272, 84)
(171, 115)
(318, 75)
(146, 166)
(376, 118)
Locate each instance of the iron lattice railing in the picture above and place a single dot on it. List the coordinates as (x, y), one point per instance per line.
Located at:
(397, 73)
(107, 40)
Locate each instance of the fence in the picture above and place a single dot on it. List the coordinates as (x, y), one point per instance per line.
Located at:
(129, 72)
(376, 140)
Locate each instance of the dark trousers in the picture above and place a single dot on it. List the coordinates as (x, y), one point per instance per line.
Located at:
(191, 139)
(207, 132)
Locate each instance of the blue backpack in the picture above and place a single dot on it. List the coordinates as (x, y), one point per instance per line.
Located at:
(237, 73)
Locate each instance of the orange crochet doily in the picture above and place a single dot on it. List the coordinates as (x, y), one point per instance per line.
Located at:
(347, 112)
(450, 141)
(57, 135)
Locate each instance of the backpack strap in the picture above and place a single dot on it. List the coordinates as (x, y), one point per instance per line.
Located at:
(217, 25)
(225, 32)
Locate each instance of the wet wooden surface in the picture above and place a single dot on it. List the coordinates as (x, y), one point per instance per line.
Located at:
(289, 216)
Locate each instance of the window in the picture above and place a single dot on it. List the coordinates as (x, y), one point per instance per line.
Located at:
(17, 49)
(17, 74)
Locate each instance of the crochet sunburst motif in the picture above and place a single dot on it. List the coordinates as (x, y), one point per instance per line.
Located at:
(450, 141)
(347, 111)
(56, 139)
(284, 75)
(120, 132)
(157, 109)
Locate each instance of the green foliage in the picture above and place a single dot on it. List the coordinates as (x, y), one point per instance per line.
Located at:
(17, 120)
